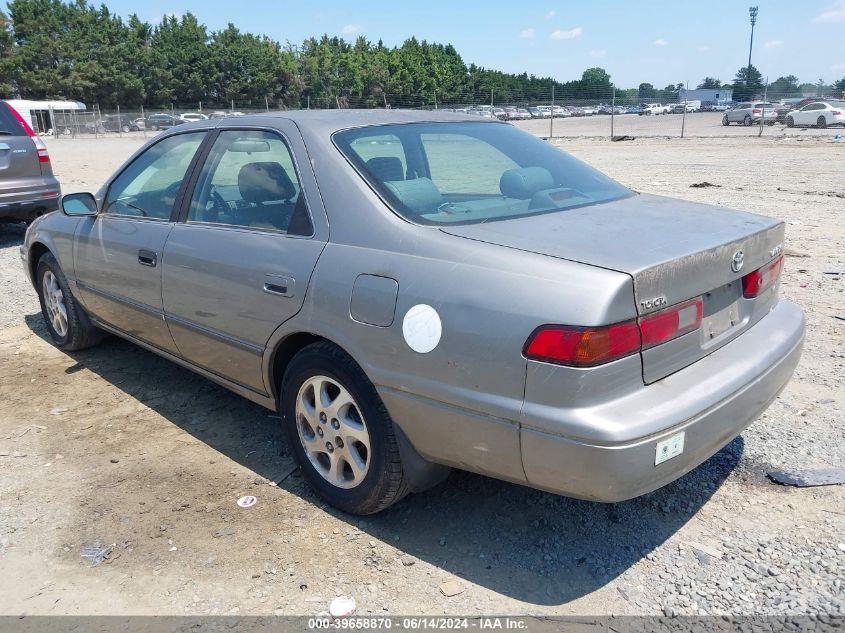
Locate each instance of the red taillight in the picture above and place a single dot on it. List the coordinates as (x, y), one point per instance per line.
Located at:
(756, 111)
(754, 284)
(43, 156)
(587, 347)
(672, 322)
(835, 112)
(583, 347)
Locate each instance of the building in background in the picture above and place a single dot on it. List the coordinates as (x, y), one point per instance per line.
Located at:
(707, 95)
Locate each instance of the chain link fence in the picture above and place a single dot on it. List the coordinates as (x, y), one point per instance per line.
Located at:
(606, 114)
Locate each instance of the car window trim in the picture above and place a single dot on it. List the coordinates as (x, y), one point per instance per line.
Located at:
(179, 195)
(184, 203)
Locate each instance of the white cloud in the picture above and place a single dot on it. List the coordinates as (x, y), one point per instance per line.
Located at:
(526, 34)
(599, 53)
(351, 28)
(703, 49)
(834, 13)
(551, 14)
(839, 66)
(660, 42)
(567, 35)
(773, 43)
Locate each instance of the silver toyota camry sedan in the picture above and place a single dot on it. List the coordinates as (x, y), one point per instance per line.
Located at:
(420, 291)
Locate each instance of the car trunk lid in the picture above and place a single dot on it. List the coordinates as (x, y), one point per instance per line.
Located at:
(672, 249)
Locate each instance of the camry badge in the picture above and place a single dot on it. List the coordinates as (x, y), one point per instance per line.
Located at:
(737, 261)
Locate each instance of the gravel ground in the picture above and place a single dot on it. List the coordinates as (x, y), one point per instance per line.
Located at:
(118, 446)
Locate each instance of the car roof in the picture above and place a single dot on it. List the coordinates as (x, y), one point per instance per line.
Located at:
(330, 121)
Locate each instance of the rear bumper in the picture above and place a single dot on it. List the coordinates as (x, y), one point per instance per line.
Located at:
(727, 390)
(34, 201)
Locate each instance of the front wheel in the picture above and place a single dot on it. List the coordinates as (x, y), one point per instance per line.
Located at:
(821, 123)
(790, 122)
(125, 129)
(726, 120)
(67, 322)
(340, 431)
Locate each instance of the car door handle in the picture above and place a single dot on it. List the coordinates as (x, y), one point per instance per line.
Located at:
(279, 285)
(147, 258)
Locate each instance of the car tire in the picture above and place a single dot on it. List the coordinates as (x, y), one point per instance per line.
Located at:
(790, 122)
(747, 120)
(154, 128)
(68, 324)
(821, 123)
(125, 129)
(725, 120)
(325, 397)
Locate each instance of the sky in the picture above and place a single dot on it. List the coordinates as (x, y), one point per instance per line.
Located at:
(636, 41)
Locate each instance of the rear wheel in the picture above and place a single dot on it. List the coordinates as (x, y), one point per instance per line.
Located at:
(726, 120)
(154, 128)
(340, 431)
(747, 120)
(67, 322)
(821, 123)
(125, 129)
(790, 122)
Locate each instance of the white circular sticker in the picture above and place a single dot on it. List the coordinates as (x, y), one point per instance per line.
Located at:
(247, 501)
(421, 328)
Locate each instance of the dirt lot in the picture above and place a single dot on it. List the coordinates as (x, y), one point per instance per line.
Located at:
(118, 447)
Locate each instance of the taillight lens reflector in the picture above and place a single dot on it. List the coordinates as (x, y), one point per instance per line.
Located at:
(757, 282)
(672, 322)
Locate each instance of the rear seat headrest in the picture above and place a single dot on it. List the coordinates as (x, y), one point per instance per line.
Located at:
(419, 195)
(522, 183)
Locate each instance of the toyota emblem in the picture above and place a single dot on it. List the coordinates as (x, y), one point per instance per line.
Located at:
(737, 261)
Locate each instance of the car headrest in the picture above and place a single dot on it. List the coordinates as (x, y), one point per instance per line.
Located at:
(386, 168)
(265, 182)
(419, 195)
(524, 182)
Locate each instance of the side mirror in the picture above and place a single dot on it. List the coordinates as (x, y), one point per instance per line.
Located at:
(79, 204)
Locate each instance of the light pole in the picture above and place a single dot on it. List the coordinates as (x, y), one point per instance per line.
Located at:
(752, 11)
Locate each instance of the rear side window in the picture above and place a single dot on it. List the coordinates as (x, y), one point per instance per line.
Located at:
(9, 125)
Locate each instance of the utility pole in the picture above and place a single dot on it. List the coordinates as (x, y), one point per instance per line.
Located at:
(752, 11)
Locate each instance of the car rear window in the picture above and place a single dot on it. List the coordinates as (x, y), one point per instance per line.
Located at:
(471, 172)
(9, 125)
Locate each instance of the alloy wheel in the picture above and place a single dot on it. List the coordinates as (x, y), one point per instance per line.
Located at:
(54, 301)
(333, 431)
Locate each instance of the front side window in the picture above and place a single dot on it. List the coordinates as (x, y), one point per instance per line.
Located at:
(149, 186)
(472, 172)
(249, 180)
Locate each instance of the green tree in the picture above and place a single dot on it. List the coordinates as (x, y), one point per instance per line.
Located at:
(783, 87)
(595, 84)
(7, 61)
(748, 83)
(647, 92)
(710, 82)
(839, 86)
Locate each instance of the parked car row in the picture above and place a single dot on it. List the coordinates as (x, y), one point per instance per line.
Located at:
(126, 123)
(515, 113)
(814, 113)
